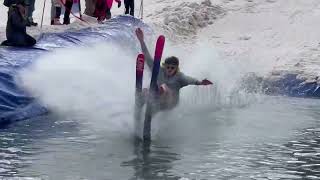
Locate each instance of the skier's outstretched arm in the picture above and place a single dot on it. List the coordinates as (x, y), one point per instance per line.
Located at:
(144, 48)
(187, 80)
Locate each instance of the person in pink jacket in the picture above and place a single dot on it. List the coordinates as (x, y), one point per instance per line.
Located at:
(102, 10)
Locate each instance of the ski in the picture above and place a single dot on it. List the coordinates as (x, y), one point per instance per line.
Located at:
(138, 93)
(153, 90)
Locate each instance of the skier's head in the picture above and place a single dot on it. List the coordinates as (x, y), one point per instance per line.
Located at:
(171, 65)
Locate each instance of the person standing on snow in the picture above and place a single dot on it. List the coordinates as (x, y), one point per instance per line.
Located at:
(129, 6)
(68, 7)
(56, 7)
(90, 7)
(170, 79)
(16, 30)
(29, 12)
(102, 10)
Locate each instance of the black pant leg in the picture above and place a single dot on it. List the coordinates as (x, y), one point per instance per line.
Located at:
(58, 12)
(108, 13)
(131, 7)
(127, 6)
(66, 19)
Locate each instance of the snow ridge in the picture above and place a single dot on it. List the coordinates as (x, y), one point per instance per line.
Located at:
(187, 18)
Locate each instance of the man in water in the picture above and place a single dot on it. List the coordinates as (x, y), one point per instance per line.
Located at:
(170, 79)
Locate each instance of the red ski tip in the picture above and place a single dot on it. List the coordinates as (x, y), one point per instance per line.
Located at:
(159, 47)
(140, 62)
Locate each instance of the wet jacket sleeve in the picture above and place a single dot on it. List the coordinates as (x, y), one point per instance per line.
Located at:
(147, 55)
(187, 80)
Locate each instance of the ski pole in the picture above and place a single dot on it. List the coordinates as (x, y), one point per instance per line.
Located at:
(142, 9)
(44, 6)
(80, 9)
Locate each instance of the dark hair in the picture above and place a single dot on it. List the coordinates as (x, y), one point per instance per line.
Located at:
(172, 61)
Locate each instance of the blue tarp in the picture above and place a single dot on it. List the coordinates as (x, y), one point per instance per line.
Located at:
(286, 84)
(15, 103)
(290, 85)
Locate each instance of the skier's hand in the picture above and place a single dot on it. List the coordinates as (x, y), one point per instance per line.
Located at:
(139, 34)
(119, 4)
(206, 82)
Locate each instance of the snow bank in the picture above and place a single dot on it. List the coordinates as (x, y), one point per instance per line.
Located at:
(186, 18)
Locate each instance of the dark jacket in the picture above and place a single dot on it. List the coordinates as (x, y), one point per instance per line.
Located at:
(16, 29)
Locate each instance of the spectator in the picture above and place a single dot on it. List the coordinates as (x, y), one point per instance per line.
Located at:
(56, 8)
(68, 6)
(90, 7)
(55, 12)
(102, 10)
(29, 12)
(16, 27)
(129, 6)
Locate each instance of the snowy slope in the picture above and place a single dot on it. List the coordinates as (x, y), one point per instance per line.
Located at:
(272, 34)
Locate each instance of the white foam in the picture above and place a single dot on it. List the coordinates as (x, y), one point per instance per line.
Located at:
(95, 84)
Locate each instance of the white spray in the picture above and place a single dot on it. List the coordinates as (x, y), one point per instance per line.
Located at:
(96, 84)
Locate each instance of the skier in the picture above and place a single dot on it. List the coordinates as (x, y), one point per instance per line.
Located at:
(170, 79)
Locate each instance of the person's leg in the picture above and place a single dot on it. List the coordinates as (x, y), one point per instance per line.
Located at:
(30, 41)
(108, 13)
(22, 40)
(131, 7)
(90, 7)
(5, 43)
(52, 12)
(167, 99)
(126, 6)
(30, 9)
(144, 95)
(100, 10)
(58, 12)
(55, 12)
(56, 20)
(68, 7)
(27, 9)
